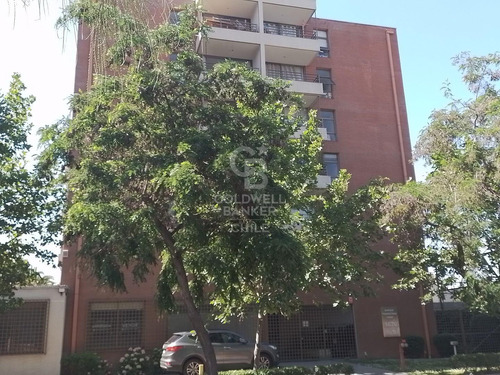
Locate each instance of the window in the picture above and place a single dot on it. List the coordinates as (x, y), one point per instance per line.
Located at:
(23, 330)
(286, 72)
(115, 325)
(330, 165)
(325, 77)
(324, 50)
(327, 118)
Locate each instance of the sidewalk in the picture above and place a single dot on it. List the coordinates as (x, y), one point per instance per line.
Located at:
(359, 369)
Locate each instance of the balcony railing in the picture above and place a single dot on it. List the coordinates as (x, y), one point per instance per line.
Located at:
(289, 30)
(230, 23)
(292, 76)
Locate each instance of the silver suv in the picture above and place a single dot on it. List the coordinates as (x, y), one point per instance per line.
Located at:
(182, 352)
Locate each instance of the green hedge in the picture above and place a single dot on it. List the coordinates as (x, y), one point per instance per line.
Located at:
(442, 344)
(83, 364)
(416, 346)
(478, 360)
(333, 369)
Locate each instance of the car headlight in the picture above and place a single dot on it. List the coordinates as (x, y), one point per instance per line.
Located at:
(273, 347)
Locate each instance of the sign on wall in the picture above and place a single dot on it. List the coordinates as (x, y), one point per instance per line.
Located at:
(390, 322)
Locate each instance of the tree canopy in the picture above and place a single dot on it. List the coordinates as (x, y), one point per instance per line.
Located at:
(197, 169)
(24, 203)
(457, 208)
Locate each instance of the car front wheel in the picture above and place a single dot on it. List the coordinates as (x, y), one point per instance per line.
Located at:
(192, 367)
(265, 361)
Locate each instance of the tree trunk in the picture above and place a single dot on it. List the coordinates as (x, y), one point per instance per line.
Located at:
(192, 311)
(258, 338)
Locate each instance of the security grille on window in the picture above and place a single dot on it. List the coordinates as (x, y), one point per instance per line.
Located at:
(327, 119)
(115, 325)
(324, 50)
(23, 330)
(331, 165)
(325, 77)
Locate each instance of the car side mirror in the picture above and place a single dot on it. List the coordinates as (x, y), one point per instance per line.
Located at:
(243, 341)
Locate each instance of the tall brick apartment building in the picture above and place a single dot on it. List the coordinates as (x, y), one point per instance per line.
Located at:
(351, 74)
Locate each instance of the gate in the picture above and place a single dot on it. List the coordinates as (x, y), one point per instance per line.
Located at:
(315, 332)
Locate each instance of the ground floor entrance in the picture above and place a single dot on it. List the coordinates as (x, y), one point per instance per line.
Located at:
(315, 332)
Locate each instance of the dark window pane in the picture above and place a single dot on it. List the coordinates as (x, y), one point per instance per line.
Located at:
(330, 165)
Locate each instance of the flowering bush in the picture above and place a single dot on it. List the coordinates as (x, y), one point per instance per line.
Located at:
(137, 362)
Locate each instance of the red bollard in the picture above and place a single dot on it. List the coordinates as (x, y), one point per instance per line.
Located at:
(402, 346)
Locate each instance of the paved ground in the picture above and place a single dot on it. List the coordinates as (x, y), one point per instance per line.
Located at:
(358, 368)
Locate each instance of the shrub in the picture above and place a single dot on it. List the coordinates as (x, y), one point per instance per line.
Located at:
(416, 347)
(481, 360)
(83, 364)
(442, 343)
(333, 369)
(137, 362)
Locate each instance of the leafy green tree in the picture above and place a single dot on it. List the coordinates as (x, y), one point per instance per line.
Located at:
(23, 202)
(448, 227)
(175, 163)
(197, 169)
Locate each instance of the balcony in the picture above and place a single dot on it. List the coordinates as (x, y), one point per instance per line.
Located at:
(301, 83)
(322, 132)
(288, 46)
(297, 12)
(322, 181)
(231, 37)
(236, 8)
(233, 23)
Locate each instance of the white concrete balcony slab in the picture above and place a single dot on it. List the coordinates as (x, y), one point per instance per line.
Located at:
(322, 182)
(231, 43)
(235, 8)
(284, 49)
(296, 12)
(322, 132)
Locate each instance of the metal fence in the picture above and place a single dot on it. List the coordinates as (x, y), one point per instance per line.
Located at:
(474, 332)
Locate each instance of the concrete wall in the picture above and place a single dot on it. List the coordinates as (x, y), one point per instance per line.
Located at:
(48, 363)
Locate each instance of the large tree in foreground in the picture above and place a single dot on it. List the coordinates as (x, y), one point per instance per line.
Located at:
(197, 169)
(457, 208)
(23, 201)
(174, 163)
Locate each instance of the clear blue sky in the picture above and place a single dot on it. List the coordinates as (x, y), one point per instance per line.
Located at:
(429, 34)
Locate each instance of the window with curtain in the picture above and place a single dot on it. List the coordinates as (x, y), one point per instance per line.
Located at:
(286, 72)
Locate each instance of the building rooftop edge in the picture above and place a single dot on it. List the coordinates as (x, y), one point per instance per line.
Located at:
(356, 23)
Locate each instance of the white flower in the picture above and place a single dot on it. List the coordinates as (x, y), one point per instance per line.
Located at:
(141, 360)
(122, 359)
(143, 351)
(147, 358)
(138, 366)
(128, 367)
